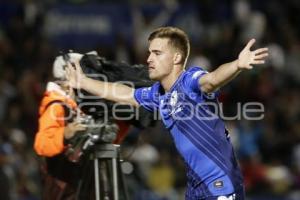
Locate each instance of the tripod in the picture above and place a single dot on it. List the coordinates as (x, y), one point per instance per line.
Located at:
(107, 156)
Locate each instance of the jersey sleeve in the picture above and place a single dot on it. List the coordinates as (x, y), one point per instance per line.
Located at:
(49, 140)
(191, 81)
(147, 97)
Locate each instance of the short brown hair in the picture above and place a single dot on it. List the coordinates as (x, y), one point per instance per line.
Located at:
(177, 38)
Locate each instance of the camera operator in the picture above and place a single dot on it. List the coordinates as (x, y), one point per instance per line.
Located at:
(56, 127)
(63, 141)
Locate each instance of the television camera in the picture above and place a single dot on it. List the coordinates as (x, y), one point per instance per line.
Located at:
(99, 114)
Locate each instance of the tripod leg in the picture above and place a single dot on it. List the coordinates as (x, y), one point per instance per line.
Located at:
(115, 179)
(104, 179)
(97, 184)
(121, 176)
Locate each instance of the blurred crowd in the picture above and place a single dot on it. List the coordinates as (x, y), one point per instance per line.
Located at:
(268, 149)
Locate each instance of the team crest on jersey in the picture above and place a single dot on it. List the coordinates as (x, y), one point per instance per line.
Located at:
(175, 107)
(174, 98)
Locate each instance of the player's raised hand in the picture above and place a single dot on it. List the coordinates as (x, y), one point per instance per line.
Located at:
(248, 58)
(74, 74)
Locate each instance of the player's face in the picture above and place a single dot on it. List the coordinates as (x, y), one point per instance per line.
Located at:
(160, 59)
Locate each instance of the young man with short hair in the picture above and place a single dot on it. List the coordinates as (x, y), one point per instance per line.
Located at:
(183, 99)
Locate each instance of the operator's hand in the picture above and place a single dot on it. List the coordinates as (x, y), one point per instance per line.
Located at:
(72, 128)
(248, 58)
(74, 74)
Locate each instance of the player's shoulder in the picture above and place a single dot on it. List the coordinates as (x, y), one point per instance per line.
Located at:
(193, 72)
(194, 69)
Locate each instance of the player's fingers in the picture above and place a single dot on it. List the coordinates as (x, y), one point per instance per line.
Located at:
(70, 68)
(249, 67)
(67, 73)
(261, 56)
(258, 62)
(250, 44)
(77, 66)
(261, 50)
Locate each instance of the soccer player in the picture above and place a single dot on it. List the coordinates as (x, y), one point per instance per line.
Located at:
(184, 100)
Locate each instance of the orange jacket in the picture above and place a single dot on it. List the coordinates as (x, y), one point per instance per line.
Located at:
(49, 140)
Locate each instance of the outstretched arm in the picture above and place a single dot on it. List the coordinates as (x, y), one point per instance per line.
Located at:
(116, 92)
(226, 72)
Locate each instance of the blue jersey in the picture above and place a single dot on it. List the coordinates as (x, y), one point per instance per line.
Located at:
(199, 134)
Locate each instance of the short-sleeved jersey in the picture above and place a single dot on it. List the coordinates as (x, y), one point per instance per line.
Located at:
(199, 134)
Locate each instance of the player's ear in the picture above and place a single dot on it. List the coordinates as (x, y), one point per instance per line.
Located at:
(177, 58)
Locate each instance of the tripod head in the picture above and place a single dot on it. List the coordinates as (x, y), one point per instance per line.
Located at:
(98, 132)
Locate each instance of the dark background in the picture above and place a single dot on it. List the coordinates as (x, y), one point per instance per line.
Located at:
(33, 32)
